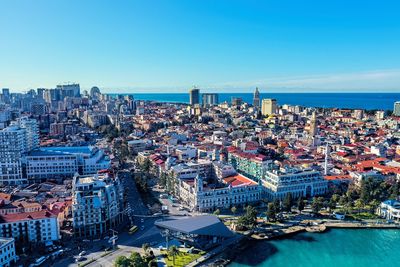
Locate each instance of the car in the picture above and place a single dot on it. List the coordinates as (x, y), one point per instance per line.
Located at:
(142, 220)
(79, 258)
(106, 237)
(39, 261)
(181, 208)
(157, 214)
(142, 227)
(82, 253)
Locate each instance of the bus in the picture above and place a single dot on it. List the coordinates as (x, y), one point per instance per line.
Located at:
(133, 229)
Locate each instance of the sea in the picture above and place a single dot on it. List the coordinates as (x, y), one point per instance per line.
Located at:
(335, 248)
(370, 101)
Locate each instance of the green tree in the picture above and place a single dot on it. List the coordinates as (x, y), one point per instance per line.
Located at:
(359, 204)
(271, 212)
(217, 212)
(173, 251)
(332, 204)
(122, 261)
(317, 204)
(335, 198)
(287, 202)
(234, 210)
(300, 204)
(277, 204)
(136, 259)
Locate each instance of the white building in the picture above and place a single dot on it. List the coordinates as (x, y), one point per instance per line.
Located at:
(34, 227)
(12, 148)
(390, 210)
(305, 183)
(31, 131)
(234, 190)
(268, 107)
(58, 163)
(136, 146)
(97, 205)
(7, 252)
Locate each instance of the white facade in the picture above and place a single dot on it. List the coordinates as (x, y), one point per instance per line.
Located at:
(31, 131)
(202, 199)
(7, 252)
(306, 183)
(35, 227)
(96, 205)
(390, 210)
(396, 110)
(12, 147)
(64, 162)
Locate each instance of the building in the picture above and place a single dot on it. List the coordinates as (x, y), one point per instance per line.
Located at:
(59, 163)
(13, 146)
(209, 99)
(235, 190)
(136, 146)
(202, 232)
(69, 90)
(268, 107)
(30, 227)
(390, 210)
(8, 257)
(251, 165)
(194, 95)
(256, 98)
(304, 183)
(396, 110)
(31, 132)
(97, 205)
(313, 125)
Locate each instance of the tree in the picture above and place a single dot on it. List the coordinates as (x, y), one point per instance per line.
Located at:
(335, 198)
(234, 210)
(122, 261)
(332, 204)
(317, 204)
(163, 179)
(173, 252)
(217, 212)
(300, 204)
(145, 247)
(288, 202)
(277, 204)
(249, 218)
(359, 204)
(136, 260)
(271, 212)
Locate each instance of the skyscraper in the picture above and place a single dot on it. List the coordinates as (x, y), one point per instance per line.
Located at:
(396, 110)
(194, 96)
(209, 99)
(256, 98)
(268, 106)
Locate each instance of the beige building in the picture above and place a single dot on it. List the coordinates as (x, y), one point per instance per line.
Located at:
(268, 106)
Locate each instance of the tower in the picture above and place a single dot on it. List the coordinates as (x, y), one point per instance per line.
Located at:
(194, 95)
(313, 124)
(327, 151)
(199, 183)
(256, 98)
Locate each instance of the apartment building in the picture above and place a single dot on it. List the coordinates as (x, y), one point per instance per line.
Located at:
(96, 204)
(7, 252)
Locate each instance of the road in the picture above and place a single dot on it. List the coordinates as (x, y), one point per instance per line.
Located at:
(137, 213)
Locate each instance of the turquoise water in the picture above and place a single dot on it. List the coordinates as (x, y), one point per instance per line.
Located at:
(335, 248)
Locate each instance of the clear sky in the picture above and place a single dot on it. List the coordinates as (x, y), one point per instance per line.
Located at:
(168, 45)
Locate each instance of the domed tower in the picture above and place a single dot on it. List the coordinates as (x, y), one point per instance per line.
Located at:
(95, 92)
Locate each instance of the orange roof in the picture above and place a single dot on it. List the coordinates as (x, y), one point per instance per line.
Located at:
(238, 180)
(337, 177)
(24, 216)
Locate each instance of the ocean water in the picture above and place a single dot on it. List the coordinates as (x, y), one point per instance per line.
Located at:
(382, 101)
(335, 248)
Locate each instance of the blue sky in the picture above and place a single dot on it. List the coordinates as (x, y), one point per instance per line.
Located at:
(161, 46)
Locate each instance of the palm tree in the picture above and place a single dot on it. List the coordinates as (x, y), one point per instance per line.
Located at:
(145, 247)
(172, 252)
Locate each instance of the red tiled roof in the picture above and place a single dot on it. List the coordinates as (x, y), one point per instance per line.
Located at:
(238, 180)
(36, 215)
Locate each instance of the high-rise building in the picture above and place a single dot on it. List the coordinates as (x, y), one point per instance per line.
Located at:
(6, 95)
(256, 98)
(12, 147)
(71, 90)
(97, 204)
(209, 99)
(268, 106)
(396, 110)
(194, 96)
(31, 132)
(237, 101)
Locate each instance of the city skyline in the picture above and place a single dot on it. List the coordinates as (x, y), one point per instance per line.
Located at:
(223, 47)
